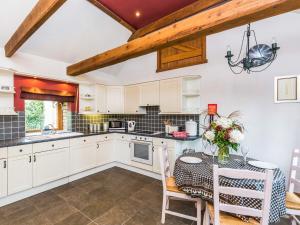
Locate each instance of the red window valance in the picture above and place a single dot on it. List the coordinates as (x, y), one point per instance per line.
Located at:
(44, 89)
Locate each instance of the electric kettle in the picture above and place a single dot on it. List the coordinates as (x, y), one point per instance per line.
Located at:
(130, 125)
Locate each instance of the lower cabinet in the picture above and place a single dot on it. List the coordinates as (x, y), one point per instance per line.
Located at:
(50, 166)
(3, 178)
(123, 152)
(105, 152)
(19, 173)
(82, 157)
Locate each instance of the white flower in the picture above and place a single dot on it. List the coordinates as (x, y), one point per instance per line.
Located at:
(224, 122)
(236, 136)
(209, 135)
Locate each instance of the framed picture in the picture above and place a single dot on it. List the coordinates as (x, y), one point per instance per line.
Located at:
(287, 89)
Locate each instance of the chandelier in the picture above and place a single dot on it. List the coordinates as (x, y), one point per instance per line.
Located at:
(256, 56)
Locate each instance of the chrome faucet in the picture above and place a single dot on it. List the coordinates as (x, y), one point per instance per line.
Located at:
(49, 129)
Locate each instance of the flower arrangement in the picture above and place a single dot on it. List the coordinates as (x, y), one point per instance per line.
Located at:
(226, 133)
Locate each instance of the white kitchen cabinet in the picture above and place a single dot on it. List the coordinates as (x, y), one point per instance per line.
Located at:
(149, 94)
(3, 178)
(50, 166)
(87, 100)
(159, 143)
(115, 99)
(170, 95)
(19, 173)
(101, 98)
(132, 100)
(105, 152)
(122, 151)
(7, 92)
(82, 157)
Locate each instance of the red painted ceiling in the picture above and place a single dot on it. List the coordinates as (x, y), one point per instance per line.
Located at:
(150, 10)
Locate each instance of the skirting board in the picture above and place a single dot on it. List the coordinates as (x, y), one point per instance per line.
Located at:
(36, 190)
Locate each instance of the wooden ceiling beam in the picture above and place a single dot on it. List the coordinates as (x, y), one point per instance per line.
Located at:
(112, 14)
(36, 18)
(180, 14)
(229, 15)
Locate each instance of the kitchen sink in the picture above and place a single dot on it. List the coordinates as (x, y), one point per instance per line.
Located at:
(52, 136)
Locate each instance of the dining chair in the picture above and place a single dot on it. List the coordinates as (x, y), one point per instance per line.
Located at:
(218, 212)
(172, 192)
(292, 200)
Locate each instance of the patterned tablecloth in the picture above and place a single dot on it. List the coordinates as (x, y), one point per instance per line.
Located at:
(197, 180)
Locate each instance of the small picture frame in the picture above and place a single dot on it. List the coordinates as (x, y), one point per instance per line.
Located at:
(287, 89)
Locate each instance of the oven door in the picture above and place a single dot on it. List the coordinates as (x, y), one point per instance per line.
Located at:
(142, 152)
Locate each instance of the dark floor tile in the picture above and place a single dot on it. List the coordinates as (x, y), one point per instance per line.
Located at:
(114, 216)
(75, 219)
(96, 210)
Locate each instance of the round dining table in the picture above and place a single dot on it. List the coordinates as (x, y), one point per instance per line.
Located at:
(196, 180)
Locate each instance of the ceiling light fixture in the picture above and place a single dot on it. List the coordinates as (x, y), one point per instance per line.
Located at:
(137, 14)
(256, 56)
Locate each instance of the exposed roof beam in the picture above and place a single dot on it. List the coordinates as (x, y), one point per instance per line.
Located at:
(231, 14)
(112, 14)
(180, 14)
(36, 18)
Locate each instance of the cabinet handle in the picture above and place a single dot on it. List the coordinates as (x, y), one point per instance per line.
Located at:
(152, 148)
(21, 150)
(53, 146)
(98, 146)
(84, 140)
(4, 164)
(129, 145)
(30, 159)
(34, 158)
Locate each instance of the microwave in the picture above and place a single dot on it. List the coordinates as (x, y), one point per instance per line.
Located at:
(119, 125)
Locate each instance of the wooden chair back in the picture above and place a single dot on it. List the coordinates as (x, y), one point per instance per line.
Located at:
(265, 196)
(294, 183)
(164, 165)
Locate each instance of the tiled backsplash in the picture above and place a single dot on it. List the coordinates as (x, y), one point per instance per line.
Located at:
(12, 127)
(151, 121)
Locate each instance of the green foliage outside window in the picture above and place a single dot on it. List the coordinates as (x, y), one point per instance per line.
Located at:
(34, 115)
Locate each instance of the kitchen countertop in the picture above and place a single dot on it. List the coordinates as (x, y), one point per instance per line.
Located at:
(26, 140)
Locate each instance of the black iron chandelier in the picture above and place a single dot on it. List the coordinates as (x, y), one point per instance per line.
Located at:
(256, 56)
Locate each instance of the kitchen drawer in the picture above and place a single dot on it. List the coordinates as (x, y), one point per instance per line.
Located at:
(84, 140)
(105, 137)
(50, 145)
(123, 137)
(19, 150)
(3, 153)
(161, 141)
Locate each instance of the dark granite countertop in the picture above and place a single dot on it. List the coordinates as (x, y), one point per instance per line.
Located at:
(26, 140)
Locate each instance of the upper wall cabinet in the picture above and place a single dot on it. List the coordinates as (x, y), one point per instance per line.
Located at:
(7, 92)
(180, 95)
(101, 99)
(132, 100)
(87, 96)
(115, 99)
(149, 94)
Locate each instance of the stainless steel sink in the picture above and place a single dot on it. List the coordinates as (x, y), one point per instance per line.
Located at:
(52, 136)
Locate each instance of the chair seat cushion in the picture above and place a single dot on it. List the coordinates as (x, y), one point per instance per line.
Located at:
(292, 201)
(171, 185)
(227, 219)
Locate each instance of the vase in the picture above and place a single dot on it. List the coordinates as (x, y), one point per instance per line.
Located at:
(223, 155)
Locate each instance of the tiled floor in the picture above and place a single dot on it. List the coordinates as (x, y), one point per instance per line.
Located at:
(112, 197)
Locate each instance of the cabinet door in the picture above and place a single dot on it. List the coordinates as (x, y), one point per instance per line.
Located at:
(82, 158)
(132, 99)
(156, 159)
(50, 166)
(19, 173)
(149, 93)
(170, 96)
(105, 152)
(101, 104)
(3, 178)
(115, 99)
(122, 152)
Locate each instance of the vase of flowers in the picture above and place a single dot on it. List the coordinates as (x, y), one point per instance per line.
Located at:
(226, 133)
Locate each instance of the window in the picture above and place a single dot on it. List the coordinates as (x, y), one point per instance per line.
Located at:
(39, 114)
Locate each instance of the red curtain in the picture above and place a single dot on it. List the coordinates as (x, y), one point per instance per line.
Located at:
(55, 86)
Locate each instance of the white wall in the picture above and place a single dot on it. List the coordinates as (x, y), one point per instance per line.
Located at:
(272, 129)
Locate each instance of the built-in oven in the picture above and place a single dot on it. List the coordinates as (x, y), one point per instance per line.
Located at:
(141, 150)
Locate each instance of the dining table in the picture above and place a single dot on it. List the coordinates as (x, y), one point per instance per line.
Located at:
(196, 180)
